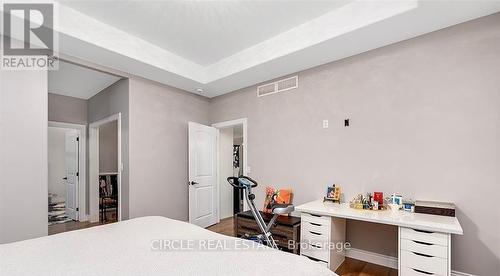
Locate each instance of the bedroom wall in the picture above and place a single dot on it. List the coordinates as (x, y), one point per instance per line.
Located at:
(108, 148)
(67, 109)
(23, 155)
(159, 117)
(113, 100)
(424, 122)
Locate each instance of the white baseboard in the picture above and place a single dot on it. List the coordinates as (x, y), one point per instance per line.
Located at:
(384, 260)
(458, 273)
(372, 257)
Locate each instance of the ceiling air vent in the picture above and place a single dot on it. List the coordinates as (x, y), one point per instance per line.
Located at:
(278, 86)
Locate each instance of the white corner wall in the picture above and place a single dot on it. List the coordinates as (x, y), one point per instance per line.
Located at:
(23, 155)
(57, 161)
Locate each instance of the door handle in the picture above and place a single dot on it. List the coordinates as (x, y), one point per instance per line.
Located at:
(65, 178)
(193, 183)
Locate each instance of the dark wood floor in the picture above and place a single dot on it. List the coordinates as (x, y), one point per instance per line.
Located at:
(77, 225)
(225, 227)
(350, 267)
(353, 267)
(71, 226)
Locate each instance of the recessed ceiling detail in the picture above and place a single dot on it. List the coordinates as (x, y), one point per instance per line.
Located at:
(224, 46)
(77, 81)
(204, 31)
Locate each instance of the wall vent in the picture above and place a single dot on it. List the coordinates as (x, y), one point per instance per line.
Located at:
(278, 86)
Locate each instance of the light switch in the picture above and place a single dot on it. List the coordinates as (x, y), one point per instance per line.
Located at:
(325, 123)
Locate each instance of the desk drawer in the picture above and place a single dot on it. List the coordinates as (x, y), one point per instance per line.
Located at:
(406, 271)
(435, 250)
(322, 263)
(321, 254)
(424, 236)
(315, 236)
(314, 227)
(424, 263)
(323, 220)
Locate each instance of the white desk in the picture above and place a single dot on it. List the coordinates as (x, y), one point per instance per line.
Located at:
(424, 240)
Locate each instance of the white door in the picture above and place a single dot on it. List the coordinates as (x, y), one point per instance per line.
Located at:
(203, 194)
(71, 162)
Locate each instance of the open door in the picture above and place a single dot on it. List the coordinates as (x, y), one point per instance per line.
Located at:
(71, 160)
(203, 193)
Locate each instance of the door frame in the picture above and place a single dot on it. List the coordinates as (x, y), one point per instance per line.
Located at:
(82, 164)
(94, 165)
(246, 170)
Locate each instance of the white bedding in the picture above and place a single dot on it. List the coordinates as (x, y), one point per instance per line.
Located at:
(132, 248)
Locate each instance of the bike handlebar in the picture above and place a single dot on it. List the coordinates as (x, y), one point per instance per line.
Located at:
(242, 182)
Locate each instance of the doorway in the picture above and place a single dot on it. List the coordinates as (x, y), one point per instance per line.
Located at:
(105, 170)
(66, 172)
(212, 156)
(232, 152)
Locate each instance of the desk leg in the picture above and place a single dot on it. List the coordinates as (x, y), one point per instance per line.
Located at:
(337, 239)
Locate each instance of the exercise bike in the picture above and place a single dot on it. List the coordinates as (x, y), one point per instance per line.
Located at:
(246, 183)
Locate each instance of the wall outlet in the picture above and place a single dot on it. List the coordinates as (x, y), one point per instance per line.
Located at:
(325, 123)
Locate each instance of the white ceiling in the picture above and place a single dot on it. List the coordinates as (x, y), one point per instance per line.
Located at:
(222, 46)
(77, 81)
(204, 32)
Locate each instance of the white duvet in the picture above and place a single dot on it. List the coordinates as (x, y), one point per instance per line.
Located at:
(145, 246)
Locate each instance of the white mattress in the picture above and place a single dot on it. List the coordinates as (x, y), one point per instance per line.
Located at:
(131, 248)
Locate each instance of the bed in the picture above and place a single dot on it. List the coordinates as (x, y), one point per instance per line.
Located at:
(149, 246)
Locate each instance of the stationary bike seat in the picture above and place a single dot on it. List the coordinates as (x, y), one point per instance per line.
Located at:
(282, 209)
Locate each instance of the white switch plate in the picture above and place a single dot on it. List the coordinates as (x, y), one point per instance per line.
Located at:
(325, 123)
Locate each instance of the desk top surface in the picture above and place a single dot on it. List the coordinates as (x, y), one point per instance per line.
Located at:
(427, 222)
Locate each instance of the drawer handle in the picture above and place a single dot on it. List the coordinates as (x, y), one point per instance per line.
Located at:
(315, 233)
(314, 259)
(423, 272)
(315, 224)
(423, 231)
(315, 246)
(421, 242)
(423, 255)
(314, 215)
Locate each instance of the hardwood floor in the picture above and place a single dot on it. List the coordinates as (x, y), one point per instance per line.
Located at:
(353, 267)
(71, 226)
(350, 267)
(225, 227)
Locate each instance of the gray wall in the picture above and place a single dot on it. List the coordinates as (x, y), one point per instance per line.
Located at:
(113, 100)
(108, 147)
(159, 118)
(67, 109)
(23, 155)
(424, 122)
